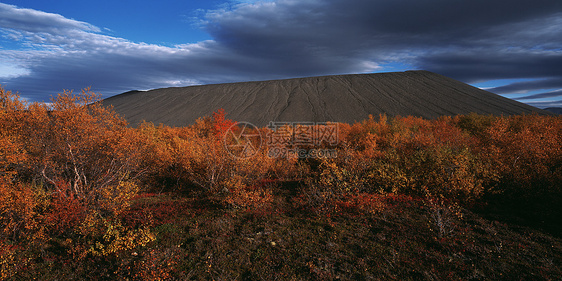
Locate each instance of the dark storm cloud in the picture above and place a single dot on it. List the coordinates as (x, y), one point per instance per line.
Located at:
(360, 27)
(472, 41)
(489, 64)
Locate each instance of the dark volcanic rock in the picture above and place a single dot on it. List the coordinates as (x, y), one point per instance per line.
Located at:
(339, 98)
(556, 110)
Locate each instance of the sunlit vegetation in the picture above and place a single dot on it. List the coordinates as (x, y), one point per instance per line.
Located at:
(84, 196)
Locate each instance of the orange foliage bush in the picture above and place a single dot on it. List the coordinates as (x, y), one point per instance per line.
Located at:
(62, 165)
(9, 264)
(220, 124)
(21, 209)
(186, 156)
(410, 156)
(75, 140)
(108, 236)
(66, 211)
(526, 151)
(92, 147)
(196, 156)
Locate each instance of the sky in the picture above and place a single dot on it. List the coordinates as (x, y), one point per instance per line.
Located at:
(512, 48)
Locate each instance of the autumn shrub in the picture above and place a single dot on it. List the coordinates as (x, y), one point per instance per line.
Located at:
(367, 135)
(445, 172)
(408, 156)
(525, 154)
(10, 265)
(160, 159)
(101, 236)
(190, 156)
(475, 124)
(197, 157)
(12, 151)
(247, 196)
(208, 163)
(65, 212)
(526, 151)
(21, 210)
(462, 158)
(77, 141)
(21, 203)
(68, 170)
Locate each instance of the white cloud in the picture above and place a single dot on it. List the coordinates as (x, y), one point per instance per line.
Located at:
(28, 20)
(8, 71)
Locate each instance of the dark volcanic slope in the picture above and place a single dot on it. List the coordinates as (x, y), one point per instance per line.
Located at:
(555, 110)
(340, 98)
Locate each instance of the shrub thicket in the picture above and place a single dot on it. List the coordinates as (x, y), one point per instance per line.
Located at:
(74, 183)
